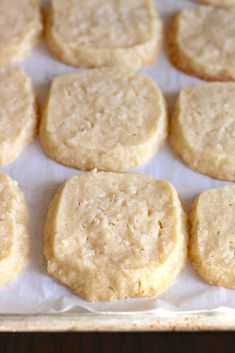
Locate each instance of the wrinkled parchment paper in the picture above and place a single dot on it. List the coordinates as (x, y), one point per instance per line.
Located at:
(34, 291)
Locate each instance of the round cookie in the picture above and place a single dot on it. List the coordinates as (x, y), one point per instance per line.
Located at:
(203, 129)
(95, 33)
(110, 119)
(112, 236)
(20, 29)
(18, 113)
(212, 244)
(222, 3)
(201, 42)
(14, 244)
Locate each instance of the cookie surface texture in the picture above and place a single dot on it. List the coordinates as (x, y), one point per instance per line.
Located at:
(18, 113)
(20, 29)
(14, 245)
(109, 119)
(203, 129)
(212, 245)
(95, 33)
(201, 42)
(112, 236)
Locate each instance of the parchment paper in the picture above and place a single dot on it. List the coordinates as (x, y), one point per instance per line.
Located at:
(34, 290)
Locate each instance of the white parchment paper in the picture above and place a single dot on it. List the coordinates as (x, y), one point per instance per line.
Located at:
(34, 290)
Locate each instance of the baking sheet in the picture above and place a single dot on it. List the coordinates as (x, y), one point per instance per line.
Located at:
(34, 291)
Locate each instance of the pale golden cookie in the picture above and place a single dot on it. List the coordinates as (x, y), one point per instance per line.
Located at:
(95, 33)
(18, 113)
(212, 241)
(110, 119)
(20, 29)
(14, 242)
(112, 236)
(203, 129)
(201, 42)
(222, 3)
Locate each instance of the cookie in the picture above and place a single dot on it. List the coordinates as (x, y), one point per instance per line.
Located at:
(20, 29)
(212, 244)
(110, 119)
(201, 42)
(14, 244)
(95, 33)
(203, 129)
(112, 236)
(222, 3)
(18, 113)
